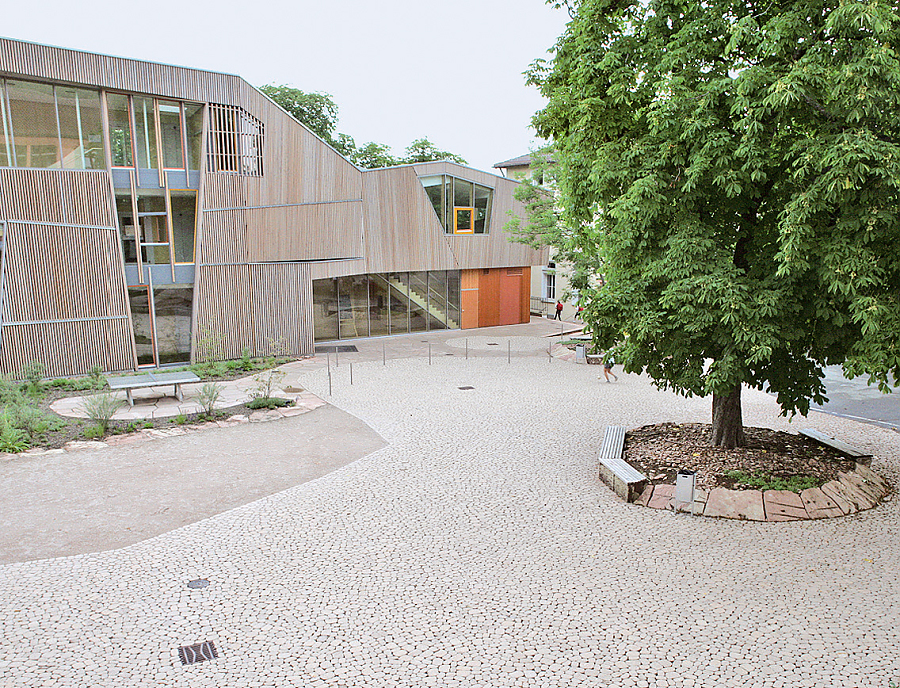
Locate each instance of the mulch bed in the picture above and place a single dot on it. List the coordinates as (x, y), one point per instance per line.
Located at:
(660, 451)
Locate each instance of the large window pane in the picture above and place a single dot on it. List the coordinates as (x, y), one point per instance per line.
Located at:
(418, 301)
(145, 133)
(80, 128)
(325, 309)
(399, 282)
(193, 117)
(184, 212)
(433, 188)
(172, 305)
(437, 300)
(126, 226)
(378, 305)
(34, 127)
(154, 227)
(462, 193)
(453, 306)
(170, 133)
(139, 298)
(119, 130)
(483, 198)
(353, 294)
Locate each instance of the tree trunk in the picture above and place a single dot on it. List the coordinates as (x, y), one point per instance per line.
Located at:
(727, 424)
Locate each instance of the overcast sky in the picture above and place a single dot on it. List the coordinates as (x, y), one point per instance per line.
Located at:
(397, 69)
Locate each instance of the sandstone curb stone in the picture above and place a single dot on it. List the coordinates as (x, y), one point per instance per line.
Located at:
(836, 491)
(783, 505)
(75, 445)
(739, 504)
(818, 504)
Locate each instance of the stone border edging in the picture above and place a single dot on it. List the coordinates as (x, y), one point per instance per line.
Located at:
(858, 490)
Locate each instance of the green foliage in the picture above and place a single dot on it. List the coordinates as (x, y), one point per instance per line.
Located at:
(180, 419)
(208, 396)
(210, 345)
(12, 439)
(763, 481)
(246, 361)
(10, 394)
(94, 432)
(100, 408)
(266, 383)
(735, 169)
(33, 373)
(269, 403)
(96, 377)
(319, 112)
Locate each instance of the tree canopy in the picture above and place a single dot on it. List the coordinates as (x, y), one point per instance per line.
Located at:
(735, 167)
(319, 112)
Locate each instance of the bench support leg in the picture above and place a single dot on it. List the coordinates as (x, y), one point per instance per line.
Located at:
(179, 394)
(130, 398)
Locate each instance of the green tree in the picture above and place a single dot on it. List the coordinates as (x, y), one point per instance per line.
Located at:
(316, 110)
(423, 150)
(374, 155)
(735, 166)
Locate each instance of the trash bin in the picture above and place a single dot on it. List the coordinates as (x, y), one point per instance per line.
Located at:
(685, 488)
(579, 354)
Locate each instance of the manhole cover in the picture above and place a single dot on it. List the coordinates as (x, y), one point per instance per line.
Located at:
(466, 387)
(201, 652)
(341, 349)
(199, 583)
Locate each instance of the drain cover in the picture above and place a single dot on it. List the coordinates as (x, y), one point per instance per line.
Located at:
(201, 652)
(466, 387)
(341, 349)
(199, 583)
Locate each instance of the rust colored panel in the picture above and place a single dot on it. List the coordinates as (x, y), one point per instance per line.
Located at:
(510, 300)
(489, 298)
(525, 294)
(468, 296)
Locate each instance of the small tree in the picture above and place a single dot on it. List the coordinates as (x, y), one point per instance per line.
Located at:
(100, 408)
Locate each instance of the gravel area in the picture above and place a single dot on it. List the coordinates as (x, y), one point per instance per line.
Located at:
(477, 549)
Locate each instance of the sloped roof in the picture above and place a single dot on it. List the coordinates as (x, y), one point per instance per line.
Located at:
(521, 161)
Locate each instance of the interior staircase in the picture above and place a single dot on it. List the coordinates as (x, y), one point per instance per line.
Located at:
(422, 302)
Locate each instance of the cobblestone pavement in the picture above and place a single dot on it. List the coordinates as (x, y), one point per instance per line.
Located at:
(477, 549)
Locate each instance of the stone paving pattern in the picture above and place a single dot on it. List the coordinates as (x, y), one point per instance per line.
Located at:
(478, 548)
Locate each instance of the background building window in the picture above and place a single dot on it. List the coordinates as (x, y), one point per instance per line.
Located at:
(550, 286)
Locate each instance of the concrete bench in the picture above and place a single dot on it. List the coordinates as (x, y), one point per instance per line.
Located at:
(843, 448)
(130, 382)
(621, 477)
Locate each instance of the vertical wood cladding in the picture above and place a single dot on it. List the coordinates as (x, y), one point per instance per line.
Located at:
(64, 298)
(266, 308)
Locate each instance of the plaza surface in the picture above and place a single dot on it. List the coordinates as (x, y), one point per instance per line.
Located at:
(478, 548)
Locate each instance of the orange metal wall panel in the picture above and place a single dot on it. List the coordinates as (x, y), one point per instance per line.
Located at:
(489, 298)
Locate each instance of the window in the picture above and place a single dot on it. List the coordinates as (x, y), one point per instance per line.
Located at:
(235, 141)
(164, 227)
(550, 286)
(462, 207)
(170, 134)
(50, 126)
(120, 130)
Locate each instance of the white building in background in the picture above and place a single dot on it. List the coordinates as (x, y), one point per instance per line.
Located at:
(550, 282)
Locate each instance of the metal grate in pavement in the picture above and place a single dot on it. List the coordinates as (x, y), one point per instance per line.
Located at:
(340, 348)
(199, 583)
(466, 387)
(201, 652)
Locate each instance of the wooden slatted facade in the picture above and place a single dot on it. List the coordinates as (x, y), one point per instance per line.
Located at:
(302, 213)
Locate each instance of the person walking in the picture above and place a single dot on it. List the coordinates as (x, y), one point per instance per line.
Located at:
(608, 364)
(559, 309)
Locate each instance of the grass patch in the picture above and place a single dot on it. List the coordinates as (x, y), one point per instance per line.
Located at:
(269, 403)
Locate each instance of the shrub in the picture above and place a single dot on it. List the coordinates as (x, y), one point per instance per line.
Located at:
(269, 403)
(266, 383)
(93, 432)
(100, 408)
(180, 419)
(10, 394)
(33, 373)
(96, 377)
(209, 395)
(12, 439)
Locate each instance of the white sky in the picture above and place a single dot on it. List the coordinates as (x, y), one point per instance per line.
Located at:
(397, 69)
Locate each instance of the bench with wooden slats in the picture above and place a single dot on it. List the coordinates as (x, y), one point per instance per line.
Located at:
(622, 478)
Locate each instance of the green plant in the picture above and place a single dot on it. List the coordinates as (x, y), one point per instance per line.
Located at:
(209, 395)
(100, 408)
(269, 403)
(210, 344)
(180, 419)
(12, 439)
(10, 394)
(94, 432)
(33, 373)
(246, 362)
(95, 375)
(266, 383)
(764, 481)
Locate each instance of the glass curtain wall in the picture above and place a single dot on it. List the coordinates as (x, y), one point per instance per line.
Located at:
(50, 126)
(462, 206)
(392, 303)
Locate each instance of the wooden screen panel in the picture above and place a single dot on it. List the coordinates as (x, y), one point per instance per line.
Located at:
(305, 232)
(56, 196)
(68, 348)
(266, 308)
